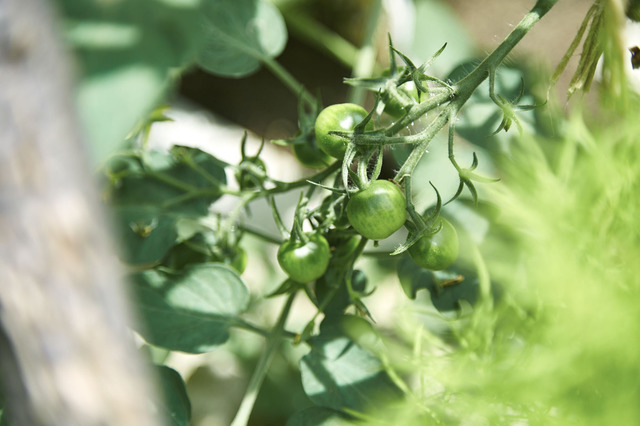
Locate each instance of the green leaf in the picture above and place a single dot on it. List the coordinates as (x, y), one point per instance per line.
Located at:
(317, 416)
(239, 35)
(191, 311)
(176, 407)
(339, 373)
(195, 175)
(146, 234)
(447, 288)
(196, 167)
(126, 52)
(436, 24)
(149, 202)
(340, 300)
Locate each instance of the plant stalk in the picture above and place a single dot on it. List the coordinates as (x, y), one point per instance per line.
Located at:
(250, 396)
(289, 80)
(465, 88)
(318, 36)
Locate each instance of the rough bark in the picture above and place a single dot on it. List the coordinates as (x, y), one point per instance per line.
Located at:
(66, 357)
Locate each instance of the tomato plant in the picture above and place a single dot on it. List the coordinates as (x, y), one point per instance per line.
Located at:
(377, 211)
(336, 118)
(439, 250)
(182, 221)
(304, 261)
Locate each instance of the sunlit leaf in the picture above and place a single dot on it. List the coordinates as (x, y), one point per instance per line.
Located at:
(339, 373)
(239, 34)
(448, 289)
(125, 52)
(191, 311)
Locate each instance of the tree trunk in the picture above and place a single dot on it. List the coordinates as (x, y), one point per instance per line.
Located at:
(66, 355)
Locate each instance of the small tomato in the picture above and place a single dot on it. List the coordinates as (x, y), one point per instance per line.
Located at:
(338, 117)
(305, 262)
(377, 211)
(437, 251)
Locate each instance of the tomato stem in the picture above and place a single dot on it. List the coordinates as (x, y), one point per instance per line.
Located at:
(289, 80)
(462, 91)
(259, 374)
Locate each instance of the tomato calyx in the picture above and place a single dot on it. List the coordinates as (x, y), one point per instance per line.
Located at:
(303, 256)
(251, 172)
(437, 249)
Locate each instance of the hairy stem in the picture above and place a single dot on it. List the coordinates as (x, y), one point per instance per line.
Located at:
(318, 36)
(464, 89)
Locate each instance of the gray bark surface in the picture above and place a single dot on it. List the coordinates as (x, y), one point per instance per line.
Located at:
(66, 355)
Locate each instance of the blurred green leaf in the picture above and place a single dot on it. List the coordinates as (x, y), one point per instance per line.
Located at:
(317, 416)
(340, 300)
(149, 201)
(190, 311)
(177, 408)
(125, 52)
(435, 25)
(447, 288)
(145, 233)
(339, 373)
(239, 34)
(195, 167)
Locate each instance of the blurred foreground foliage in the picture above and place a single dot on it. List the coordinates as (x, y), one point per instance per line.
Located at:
(560, 345)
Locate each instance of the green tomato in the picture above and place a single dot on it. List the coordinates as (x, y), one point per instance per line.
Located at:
(311, 156)
(342, 118)
(377, 211)
(305, 262)
(394, 106)
(397, 109)
(438, 251)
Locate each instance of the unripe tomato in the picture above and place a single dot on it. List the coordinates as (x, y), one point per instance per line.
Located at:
(394, 107)
(311, 156)
(377, 211)
(437, 251)
(305, 262)
(338, 117)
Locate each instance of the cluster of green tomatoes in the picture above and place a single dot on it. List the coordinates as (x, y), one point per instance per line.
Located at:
(375, 210)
